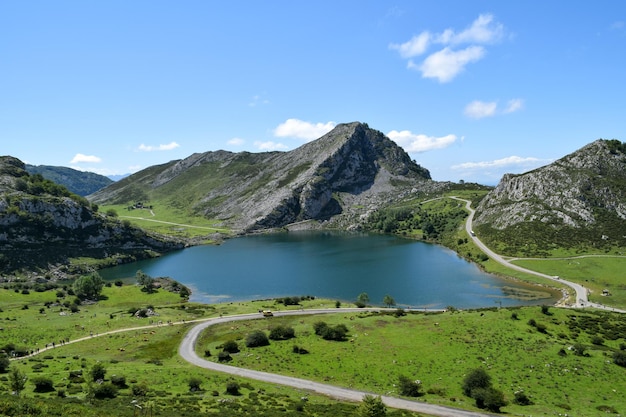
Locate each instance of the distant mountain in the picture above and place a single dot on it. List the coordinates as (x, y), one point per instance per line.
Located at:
(341, 175)
(117, 177)
(578, 201)
(79, 182)
(43, 224)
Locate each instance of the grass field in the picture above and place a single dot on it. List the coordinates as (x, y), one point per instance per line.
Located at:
(439, 349)
(143, 357)
(597, 273)
(169, 221)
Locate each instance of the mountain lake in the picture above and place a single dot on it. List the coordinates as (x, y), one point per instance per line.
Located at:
(335, 265)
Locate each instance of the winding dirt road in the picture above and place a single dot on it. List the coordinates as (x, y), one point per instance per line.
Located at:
(187, 352)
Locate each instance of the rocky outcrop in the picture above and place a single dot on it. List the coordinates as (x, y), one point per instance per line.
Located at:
(583, 191)
(350, 166)
(42, 223)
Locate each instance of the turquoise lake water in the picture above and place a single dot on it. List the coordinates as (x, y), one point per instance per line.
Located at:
(331, 265)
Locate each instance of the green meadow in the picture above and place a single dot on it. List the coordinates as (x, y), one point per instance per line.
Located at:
(439, 349)
(597, 273)
(143, 361)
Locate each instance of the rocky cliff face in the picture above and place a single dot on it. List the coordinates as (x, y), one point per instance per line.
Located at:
(42, 223)
(350, 166)
(583, 191)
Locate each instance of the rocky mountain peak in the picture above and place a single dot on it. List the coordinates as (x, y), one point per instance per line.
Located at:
(583, 190)
(248, 191)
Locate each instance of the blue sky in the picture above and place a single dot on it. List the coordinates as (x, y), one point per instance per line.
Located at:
(471, 89)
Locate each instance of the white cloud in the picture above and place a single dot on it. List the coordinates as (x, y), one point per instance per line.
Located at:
(294, 128)
(79, 157)
(236, 141)
(417, 45)
(412, 142)
(447, 64)
(165, 147)
(479, 109)
(270, 146)
(514, 105)
(483, 30)
(510, 161)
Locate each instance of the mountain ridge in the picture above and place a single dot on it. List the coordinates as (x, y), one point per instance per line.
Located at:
(251, 191)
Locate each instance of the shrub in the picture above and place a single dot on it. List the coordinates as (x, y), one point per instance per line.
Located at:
(319, 327)
(299, 350)
(232, 388)
(545, 310)
(256, 339)
(579, 349)
(514, 316)
(97, 372)
(619, 358)
(43, 384)
(224, 356)
(408, 387)
(140, 390)
(119, 381)
(597, 340)
(489, 398)
(194, 384)
(104, 390)
(231, 347)
(521, 398)
(282, 333)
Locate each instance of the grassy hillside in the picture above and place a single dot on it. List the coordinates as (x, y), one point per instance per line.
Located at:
(440, 349)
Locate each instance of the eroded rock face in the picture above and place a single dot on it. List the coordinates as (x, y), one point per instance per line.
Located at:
(573, 191)
(251, 191)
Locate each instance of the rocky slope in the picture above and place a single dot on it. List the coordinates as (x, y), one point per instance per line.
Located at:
(351, 167)
(582, 196)
(42, 223)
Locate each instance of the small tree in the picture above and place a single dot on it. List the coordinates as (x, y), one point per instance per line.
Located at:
(146, 281)
(97, 372)
(490, 398)
(88, 286)
(389, 301)
(17, 381)
(362, 300)
(477, 378)
(579, 349)
(257, 338)
(372, 406)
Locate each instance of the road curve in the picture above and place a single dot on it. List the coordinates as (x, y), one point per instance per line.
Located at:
(187, 352)
(581, 292)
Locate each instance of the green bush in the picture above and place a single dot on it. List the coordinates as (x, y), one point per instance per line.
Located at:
(408, 387)
(230, 346)
(282, 333)
(256, 339)
(104, 390)
(43, 384)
